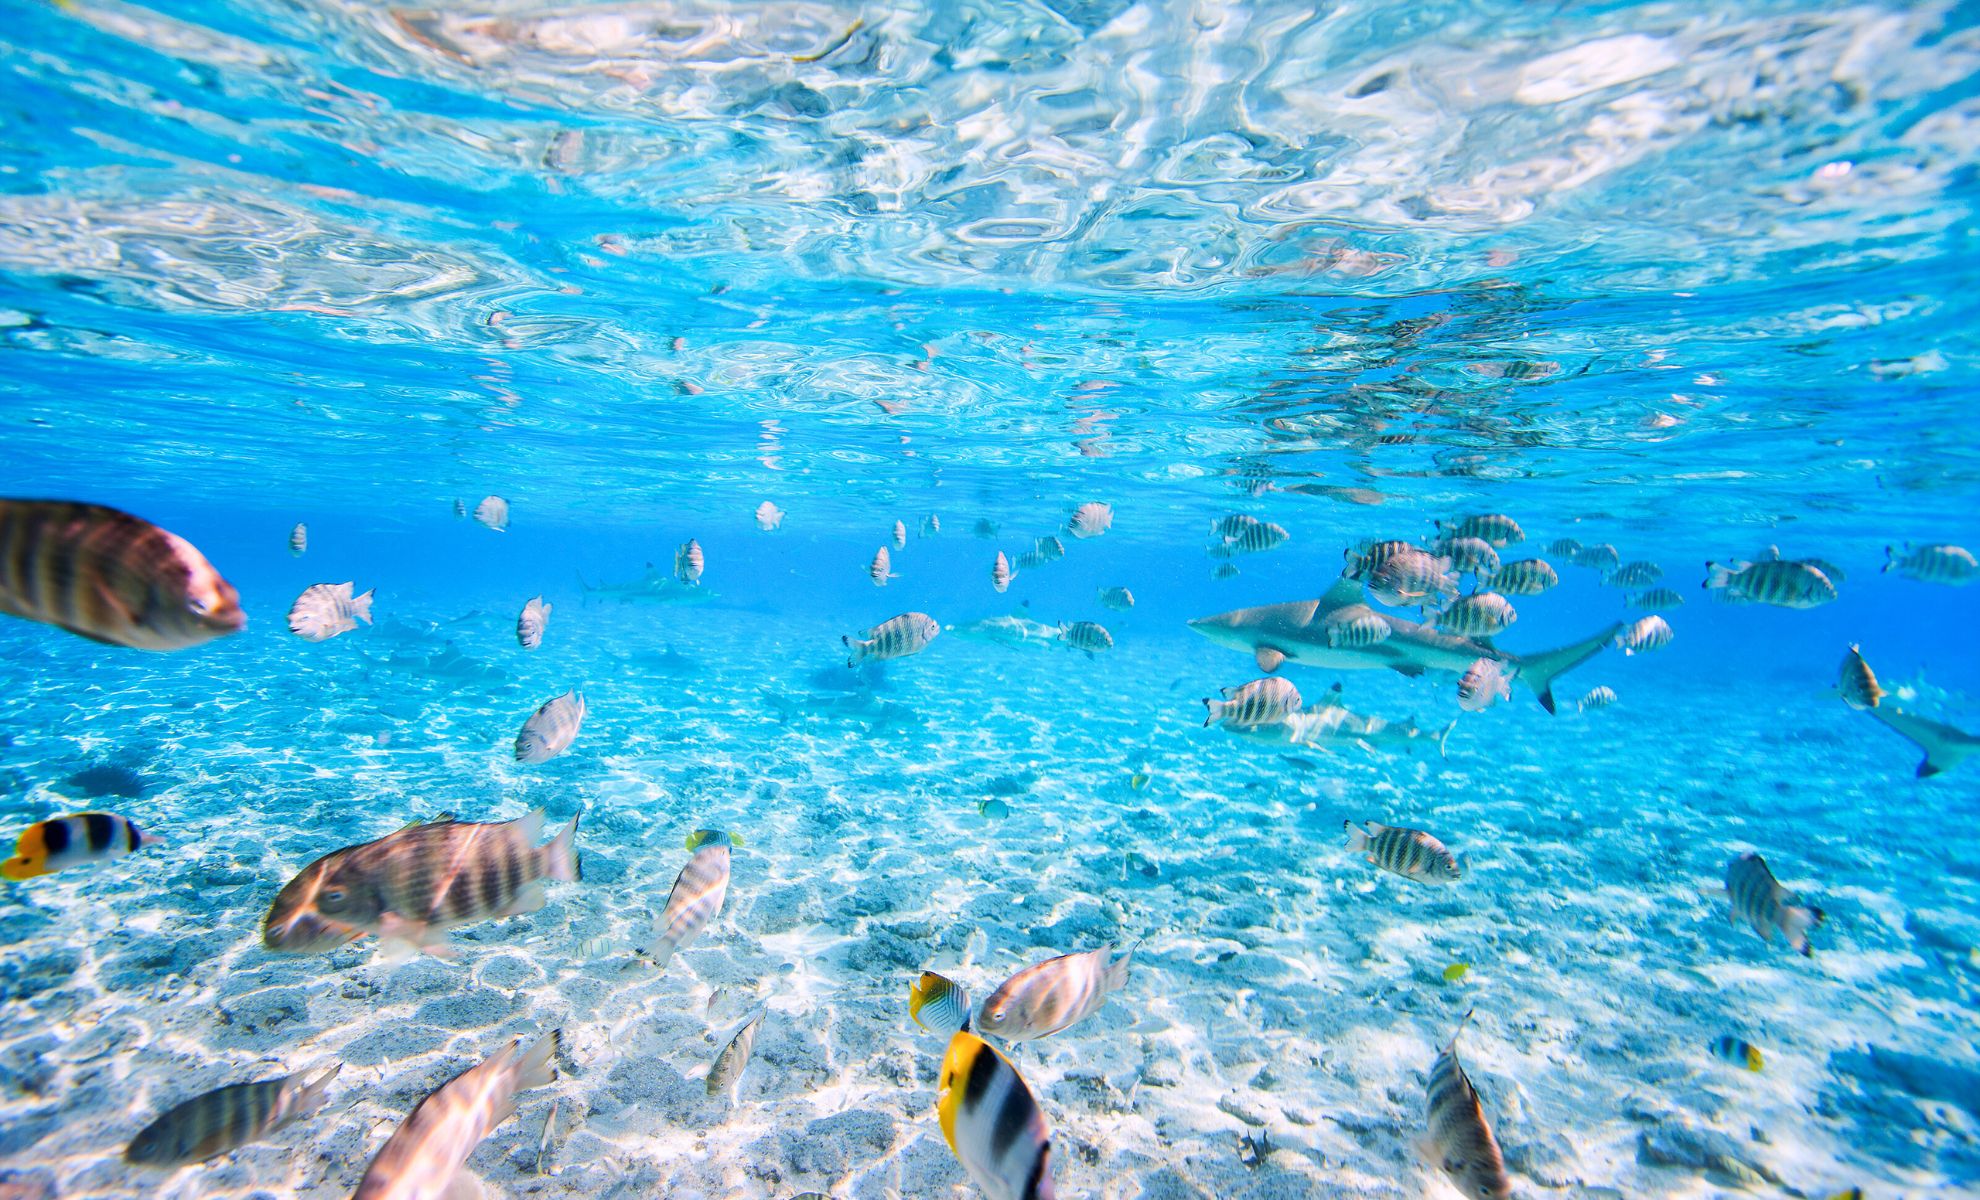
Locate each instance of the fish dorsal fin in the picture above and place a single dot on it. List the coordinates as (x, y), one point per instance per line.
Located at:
(1344, 592)
(1450, 1047)
(1768, 554)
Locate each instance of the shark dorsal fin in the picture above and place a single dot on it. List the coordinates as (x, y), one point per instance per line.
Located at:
(1344, 592)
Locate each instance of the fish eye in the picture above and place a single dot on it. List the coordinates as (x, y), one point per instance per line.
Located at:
(332, 898)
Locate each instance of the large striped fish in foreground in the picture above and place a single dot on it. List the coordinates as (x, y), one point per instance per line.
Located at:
(1458, 1138)
(325, 610)
(1757, 898)
(1297, 631)
(412, 886)
(696, 898)
(938, 1004)
(110, 577)
(992, 1123)
(1410, 853)
(1046, 998)
(228, 1118)
(726, 1073)
(70, 841)
(551, 729)
(896, 637)
(424, 1157)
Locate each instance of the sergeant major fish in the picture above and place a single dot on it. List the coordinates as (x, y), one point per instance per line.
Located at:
(1479, 614)
(551, 729)
(881, 569)
(1090, 520)
(298, 540)
(696, 898)
(228, 1118)
(1255, 538)
(769, 518)
(1523, 577)
(1265, 701)
(1049, 997)
(896, 637)
(1472, 554)
(992, 1123)
(900, 535)
(1086, 636)
(1409, 578)
(531, 623)
(325, 610)
(1000, 574)
(1483, 685)
(1777, 582)
(1458, 1137)
(70, 841)
(689, 563)
(493, 512)
(1410, 853)
(1756, 897)
(110, 577)
(725, 1075)
(426, 1153)
(1634, 575)
(1597, 697)
(1119, 599)
(1496, 529)
(1661, 597)
(1953, 565)
(414, 885)
(1650, 633)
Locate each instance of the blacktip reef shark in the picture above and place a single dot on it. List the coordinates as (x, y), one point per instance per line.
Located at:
(1301, 631)
(1945, 747)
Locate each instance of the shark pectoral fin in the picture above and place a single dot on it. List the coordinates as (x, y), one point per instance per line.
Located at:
(1269, 659)
(1407, 670)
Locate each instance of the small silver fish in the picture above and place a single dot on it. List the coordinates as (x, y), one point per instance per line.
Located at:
(1000, 573)
(299, 539)
(881, 569)
(727, 1072)
(493, 512)
(531, 623)
(551, 729)
(769, 518)
(325, 610)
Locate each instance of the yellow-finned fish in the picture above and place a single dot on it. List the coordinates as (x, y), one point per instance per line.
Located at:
(493, 512)
(228, 1118)
(110, 577)
(70, 841)
(992, 1122)
(1456, 971)
(695, 900)
(1737, 1051)
(531, 623)
(1138, 781)
(1757, 898)
(325, 610)
(1459, 1138)
(1048, 997)
(298, 539)
(428, 1150)
(938, 1004)
(727, 1072)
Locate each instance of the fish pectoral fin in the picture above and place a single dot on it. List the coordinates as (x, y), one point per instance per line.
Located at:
(465, 1185)
(529, 900)
(401, 937)
(1269, 659)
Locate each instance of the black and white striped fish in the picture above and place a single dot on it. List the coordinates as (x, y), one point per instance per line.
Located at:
(70, 841)
(228, 1118)
(895, 637)
(1001, 574)
(1231, 526)
(110, 577)
(325, 610)
(427, 1151)
(689, 562)
(551, 729)
(725, 1075)
(493, 512)
(1757, 898)
(298, 539)
(1661, 597)
(1650, 633)
(1496, 528)
(1049, 548)
(1480, 614)
(900, 535)
(992, 1123)
(1355, 627)
(1361, 563)
(1265, 701)
(1255, 538)
(1565, 548)
(1458, 1138)
(1597, 697)
(1599, 557)
(1856, 683)
(1119, 599)
(1472, 554)
(1090, 520)
(1086, 636)
(938, 1004)
(530, 624)
(1954, 565)
(881, 569)
(696, 898)
(1410, 853)
(414, 885)
(1634, 575)
(1411, 577)
(1777, 582)
(1523, 577)
(931, 526)
(1048, 997)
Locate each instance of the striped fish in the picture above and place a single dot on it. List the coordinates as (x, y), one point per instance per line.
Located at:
(938, 1004)
(1757, 898)
(688, 563)
(543, 1142)
(551, 729)
(930, 525)
(896, 637)
(1470, 554)
(1254, 538)
(992, 1123)
(881, 569)
(427, 1151)
(1000, 573)
(769, 518)
(460, 510)
(1634, 575)
(1600, 557)
(1483, 684)
(68, 842)
(1780, 583)
(1028, 561)
(1737, 1051)
(1650, 633)
(1049, 548)
(1834, 572)
(529, 626)
(1048, 997)
(1090, 520)
(1264, 701)
(1565, 548)
(1086, 636)
(1361, 563)
(1953, 565)
(1224, 570)
(1355, 627)
(1459, 1138)
(493, 512)
(414, 885)
(1411, 577)
(298, 539)
(1224, 528)
(1856, 683)
(900, 535)
(727, 1072)
(1495, 528)
(1662, 597)
(696, 900)
(228, 1118)
(1523, 577)
(1119, 599)
(1480, 614)
(1410, 853)
(325, 610)
(1597, 697)
(110, 577)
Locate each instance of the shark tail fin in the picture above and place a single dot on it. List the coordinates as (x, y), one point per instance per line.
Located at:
(1538, 671)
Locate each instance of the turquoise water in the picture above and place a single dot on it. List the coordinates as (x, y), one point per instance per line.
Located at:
(1691, 281)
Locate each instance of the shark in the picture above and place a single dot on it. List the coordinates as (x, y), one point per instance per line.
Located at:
(653, 587)
(1945, 747)
(1306, 631)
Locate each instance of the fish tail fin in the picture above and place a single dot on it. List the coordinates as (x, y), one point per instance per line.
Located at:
(534, 1069)
(1357, 838)
(1753, 1060)
(852, 660)
(1796, 921)
(560, 857)
(1538, 671)
(1117, 970)
(311, 1097)
(1216, 710)
(361, 605)
(1717, 575)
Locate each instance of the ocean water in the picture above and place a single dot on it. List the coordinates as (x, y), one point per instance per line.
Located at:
(1691, 280)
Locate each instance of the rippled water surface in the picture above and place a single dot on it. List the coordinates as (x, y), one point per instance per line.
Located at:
(1692, 280)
